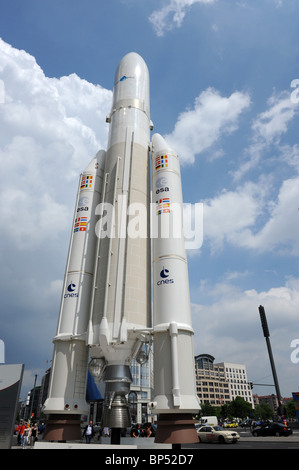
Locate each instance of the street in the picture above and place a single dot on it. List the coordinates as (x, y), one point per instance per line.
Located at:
(247, 441)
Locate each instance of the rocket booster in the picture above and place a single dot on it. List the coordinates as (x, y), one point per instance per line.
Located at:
(67, 388)
(174, 371)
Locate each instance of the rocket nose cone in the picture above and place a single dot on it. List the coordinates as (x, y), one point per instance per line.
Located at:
(160, 144)
(132, 79)
(131, 65)
(132, 60)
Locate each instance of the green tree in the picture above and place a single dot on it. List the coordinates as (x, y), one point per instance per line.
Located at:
(239, 408)
(207, 410)
(263, 411)
(225, 411)
(291, 410)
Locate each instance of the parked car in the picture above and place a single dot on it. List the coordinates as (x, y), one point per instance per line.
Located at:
(208, 421)
(246, 423)
(216, 434)
(272, 429)
(231, 425)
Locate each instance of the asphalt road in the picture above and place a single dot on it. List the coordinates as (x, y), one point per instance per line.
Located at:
(247, 441)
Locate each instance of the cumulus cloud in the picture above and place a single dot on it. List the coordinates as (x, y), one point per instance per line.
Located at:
(51, 128)
(172, 14)
(212, 117)
(228, 215)
(281, 231)
(251, 217)
(228, 326)
(268, 129)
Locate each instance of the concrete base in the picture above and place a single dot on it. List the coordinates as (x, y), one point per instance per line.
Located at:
(62, 427)
(78, 445)
(176, 429)
(104, 443)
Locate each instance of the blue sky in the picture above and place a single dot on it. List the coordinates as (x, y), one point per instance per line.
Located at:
(221, 76)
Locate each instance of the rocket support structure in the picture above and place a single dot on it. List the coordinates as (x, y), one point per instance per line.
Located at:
(105, 314)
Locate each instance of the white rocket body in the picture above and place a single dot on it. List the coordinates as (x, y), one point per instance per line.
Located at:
(67, 389)
(174, 371)
(121, 296)
(121, 306)
(105, 313)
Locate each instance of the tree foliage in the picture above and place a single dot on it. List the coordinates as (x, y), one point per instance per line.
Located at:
(239, 408)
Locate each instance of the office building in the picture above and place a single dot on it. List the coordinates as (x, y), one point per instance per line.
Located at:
(218, 384)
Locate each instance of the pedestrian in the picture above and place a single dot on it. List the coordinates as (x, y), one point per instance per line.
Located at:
(20, 433)
(137, 431)
(25, 436)
(106, 431)
(148, 430)
(34, 433)
(88, 432)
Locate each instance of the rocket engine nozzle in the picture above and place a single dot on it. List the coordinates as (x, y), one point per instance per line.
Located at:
(116, 413)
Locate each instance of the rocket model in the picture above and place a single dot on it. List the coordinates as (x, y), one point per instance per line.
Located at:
(105, 314)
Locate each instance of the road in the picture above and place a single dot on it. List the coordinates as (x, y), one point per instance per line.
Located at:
(247, 441)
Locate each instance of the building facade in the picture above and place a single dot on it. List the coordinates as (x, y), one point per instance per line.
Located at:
(219, 384)
(141, 390)
(239, 386)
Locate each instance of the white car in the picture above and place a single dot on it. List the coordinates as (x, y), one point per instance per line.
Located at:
(216, 434)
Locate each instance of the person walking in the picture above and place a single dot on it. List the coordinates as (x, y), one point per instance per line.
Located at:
(20, 434)
(34, 433)
(25, 437)
(88, 432)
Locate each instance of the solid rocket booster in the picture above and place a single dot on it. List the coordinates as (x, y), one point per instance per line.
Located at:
(67, 390)
(121, 294)
(175, 399)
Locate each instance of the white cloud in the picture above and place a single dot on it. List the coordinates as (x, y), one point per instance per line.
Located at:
(249, 218)
(229, 328)
(51, 128)
(268, 129)
(252, 215)
(212, 117)
(271, 124)
(227, 215)
(172, 14)
(281, 231)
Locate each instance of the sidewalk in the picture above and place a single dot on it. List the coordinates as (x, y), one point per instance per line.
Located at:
(103, 443)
